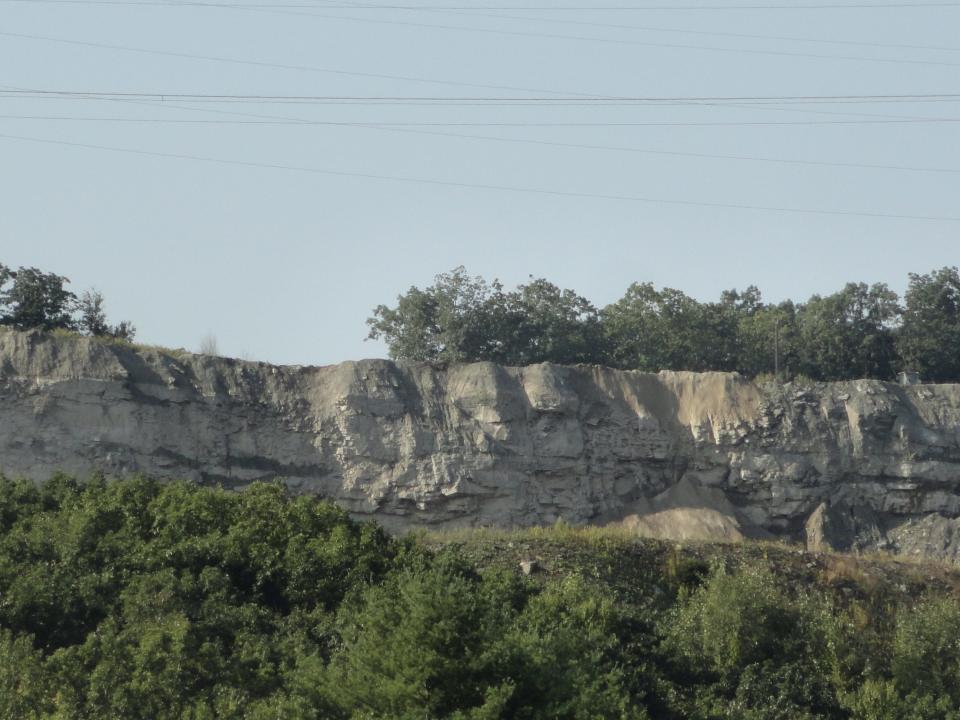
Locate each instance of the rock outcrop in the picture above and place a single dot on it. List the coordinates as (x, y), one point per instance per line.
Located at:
(480, 444)
(842, 527)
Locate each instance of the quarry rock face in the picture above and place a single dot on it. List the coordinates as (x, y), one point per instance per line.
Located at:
(842, 527)
(411, 445)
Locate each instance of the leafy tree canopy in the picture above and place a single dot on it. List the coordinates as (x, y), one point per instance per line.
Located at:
(137, 600)
(860, 331)
(33, 299)
(30, 298)
(461, 318)
(929, 340)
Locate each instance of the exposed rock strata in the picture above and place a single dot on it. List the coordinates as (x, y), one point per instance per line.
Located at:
(480, 444)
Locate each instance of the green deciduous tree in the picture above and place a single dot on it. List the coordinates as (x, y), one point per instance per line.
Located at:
(464, 319)
(859, 331)
(30, 298)
(415, 647)
(442, 641)
(929, 340)
(24, 682)
(768, 340)
(93, 318)
(754, 651)
(650, 329)
(548, 324)
(448, 321)
(926, 650)
(849, 334)
(734, 620)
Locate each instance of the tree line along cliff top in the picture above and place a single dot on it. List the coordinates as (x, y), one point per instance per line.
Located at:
(860, 331)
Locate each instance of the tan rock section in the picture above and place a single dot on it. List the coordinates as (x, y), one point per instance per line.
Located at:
(673, 454)
(689, 511)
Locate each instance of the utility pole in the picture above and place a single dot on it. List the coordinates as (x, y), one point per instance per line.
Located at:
(776, 348)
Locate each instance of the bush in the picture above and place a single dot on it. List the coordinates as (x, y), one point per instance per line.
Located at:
(926, 650)
(442, 641)
(747, 650)
(732, 621)
(134, 599)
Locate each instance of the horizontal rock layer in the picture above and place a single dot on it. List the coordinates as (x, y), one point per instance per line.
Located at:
(480, 444)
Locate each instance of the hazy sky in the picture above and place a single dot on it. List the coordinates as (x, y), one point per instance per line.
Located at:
(285, 264)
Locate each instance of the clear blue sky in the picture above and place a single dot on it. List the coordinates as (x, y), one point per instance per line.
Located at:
(285, 265)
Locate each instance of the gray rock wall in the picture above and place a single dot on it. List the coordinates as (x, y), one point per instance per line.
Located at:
(480, 444)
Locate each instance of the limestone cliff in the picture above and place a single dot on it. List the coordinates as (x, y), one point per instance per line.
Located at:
(479, 444)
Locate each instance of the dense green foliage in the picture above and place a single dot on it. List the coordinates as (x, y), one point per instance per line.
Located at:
(133, 599)
(859, 331)
(31, 298)
(463, 319)
(929, 340)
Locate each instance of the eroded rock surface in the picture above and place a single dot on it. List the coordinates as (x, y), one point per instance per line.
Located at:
(479, 444)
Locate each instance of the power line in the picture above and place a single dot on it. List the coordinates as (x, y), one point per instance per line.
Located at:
(539, 8)
(394, 129)
(284, 66)
(478, 186)
(273, 9)
(767, 104)
(281, 66)
(712, 33)
(542, 101)
(474, 12)
(275, 119)
(682, 31)
(676, 153)
(618, 41)
(652, 123)
(764, 106)
(539, 142)
(644, 8)
(489, 138)
(276, 9)
(583, 8)
(163, 101)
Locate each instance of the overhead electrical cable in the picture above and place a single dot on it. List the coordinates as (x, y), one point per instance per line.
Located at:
(539, 8)
(638, 43)
(481, 12)
(478, 186)
(766, 103)
(277, 9)
(575, 38)
(629, 8)
(279, 66)
(161, 101)
(652, 123)
(287, 66)
(704, 33)
(477, 99)
(434, 133)
(872, 118)
(492, 138)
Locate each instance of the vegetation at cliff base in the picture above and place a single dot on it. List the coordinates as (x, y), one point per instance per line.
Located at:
(134, 599)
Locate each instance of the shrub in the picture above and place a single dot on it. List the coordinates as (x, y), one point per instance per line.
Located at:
(732, 621)
(926, 649)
